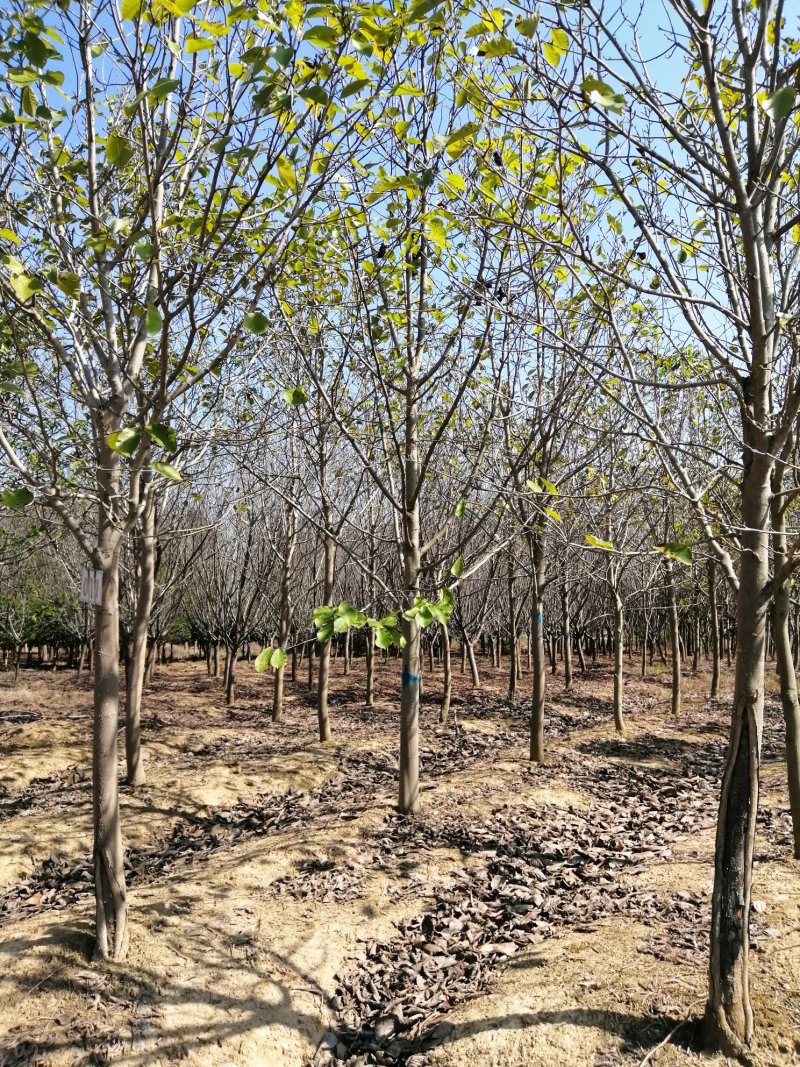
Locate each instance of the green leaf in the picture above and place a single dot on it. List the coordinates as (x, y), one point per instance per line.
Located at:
(457, 568)
(163, 435)
(677, 551)
(595, 542)
(166, 470)
(130, 9)
(162, 89)
(278, 658)
(527, 27)
(287, 173)
(351, 615)
(322, 36)
(264, 660)
(323, 615)
(125, 441)
(461, 507)
(601, 94)
(354, 87)
(15, 499)
(197, 44)
(10, 387)
(463, 132)
(780, 103)
(69, 284)
(295, 396)
(255, 322)
(153, 321)
(119, 150)
(145, 250)
(9, 235)
(25, 286)
(419, 11)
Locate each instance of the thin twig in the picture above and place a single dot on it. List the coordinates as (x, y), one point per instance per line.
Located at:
(661, 1044)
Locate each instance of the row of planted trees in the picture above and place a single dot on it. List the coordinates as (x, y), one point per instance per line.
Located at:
(418, 301)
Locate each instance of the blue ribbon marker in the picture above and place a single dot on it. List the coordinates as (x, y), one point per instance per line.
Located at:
(539, 617)
(408, 678)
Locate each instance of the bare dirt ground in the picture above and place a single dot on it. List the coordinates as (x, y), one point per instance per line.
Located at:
(281, 913)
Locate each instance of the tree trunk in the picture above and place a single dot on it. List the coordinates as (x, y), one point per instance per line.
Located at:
(369, 696)
(111, 908)
(619, 721)
(729, 1015)
(230, 674)
(473, 663)
(538, 667)
(567, 637)
(674, 640)
(512, 626)
(782, 605)
(444, 710)
(323, 711)
(138, 660)
(714, 625)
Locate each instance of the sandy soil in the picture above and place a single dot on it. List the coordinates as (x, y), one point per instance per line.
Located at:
(223, 969)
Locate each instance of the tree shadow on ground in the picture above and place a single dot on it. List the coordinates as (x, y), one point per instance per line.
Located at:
(637, 1033)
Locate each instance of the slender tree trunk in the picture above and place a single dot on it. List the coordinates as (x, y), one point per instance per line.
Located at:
(369, 697)
(674, 640)
(473, 663)
(230, 674)
(581, 654)
(567, 631)
(285, 614)
(714, 626)
(323, 711)
(729, 1015)
(783, 648)
(311, 649)
(512, 624)
(645, 638)
(444, 711)
(111, 908)
(138, 660)
(619, 628)
(538, 668)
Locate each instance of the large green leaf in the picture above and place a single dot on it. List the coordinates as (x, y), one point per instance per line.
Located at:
(780, 103)
(295, 396)
(595, 542)
(162, 89)
(69, 284)
(153, 321)
(264, 659)
(119, 150)
(256, 323)
(125, 441)
(675, 550)
(15, 499)
(601, 94)
(166, 470)
(162, 435)
(322, 36)
(25, 286)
